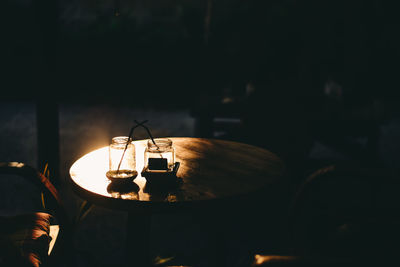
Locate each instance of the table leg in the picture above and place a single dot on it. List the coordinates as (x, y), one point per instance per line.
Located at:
(137, 243)
(46, 17)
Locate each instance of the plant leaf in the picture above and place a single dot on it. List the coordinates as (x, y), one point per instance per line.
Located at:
(84, 209)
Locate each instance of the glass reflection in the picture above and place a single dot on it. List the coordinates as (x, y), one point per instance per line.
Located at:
(128, 190)
(163, 188)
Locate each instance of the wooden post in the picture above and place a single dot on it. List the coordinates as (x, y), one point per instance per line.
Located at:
(46, 15)
(48, 138)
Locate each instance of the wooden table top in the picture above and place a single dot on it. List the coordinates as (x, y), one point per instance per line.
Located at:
(209, 170)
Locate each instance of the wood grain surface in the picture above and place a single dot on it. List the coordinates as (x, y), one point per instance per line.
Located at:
(209, 170)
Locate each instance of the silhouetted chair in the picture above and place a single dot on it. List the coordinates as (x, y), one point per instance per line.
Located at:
(37, 238)
(343, 216)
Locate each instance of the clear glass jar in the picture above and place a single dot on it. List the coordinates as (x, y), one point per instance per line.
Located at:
(122, 162)
(159, 156)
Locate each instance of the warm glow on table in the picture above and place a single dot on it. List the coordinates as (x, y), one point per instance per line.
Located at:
(209, 170)
(89, 172)
(212, 175)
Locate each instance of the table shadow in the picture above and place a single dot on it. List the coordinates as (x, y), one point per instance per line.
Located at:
(163, 186)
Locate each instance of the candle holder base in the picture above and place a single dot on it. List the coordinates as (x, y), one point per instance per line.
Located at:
(161, 175)
(121, 176)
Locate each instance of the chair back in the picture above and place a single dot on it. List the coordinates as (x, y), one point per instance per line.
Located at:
(347, 212)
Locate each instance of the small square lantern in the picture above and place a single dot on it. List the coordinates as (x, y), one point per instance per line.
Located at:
(159, 156)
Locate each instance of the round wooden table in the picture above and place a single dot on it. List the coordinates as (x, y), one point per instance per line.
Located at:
(211, 172)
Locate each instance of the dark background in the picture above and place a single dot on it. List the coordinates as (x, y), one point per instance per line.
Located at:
(177, 48)
(313, 81)
(320, 69)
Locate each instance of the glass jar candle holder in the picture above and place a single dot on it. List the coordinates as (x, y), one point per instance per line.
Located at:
(159, 155)
(122, 159)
